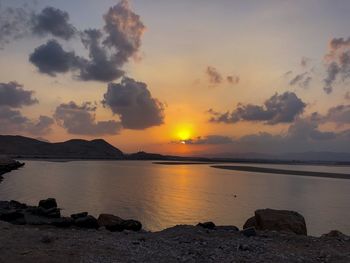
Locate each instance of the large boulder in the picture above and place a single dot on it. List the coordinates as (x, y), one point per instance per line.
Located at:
(86, 222)
(279, 220)
(131, 224)
(48, 203)
(251, 222)
(111, 222)
(207, 225)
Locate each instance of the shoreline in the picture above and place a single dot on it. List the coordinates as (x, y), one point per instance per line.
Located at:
(8, 165)
(282, 171)
(39, 234)
(182, 243)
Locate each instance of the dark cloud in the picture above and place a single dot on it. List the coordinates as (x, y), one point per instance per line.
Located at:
(80, 119)
(302, 80)
(50, 58)
(134, 104)
(213, 75)
(282, 108)
(13, 122)
(53, 21)
(13, 95)
(101, 66)
(337, 62)
(109, 48)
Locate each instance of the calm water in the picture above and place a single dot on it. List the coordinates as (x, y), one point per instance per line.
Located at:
(161, 196)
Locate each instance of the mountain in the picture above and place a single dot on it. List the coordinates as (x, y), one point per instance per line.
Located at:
(19, 146)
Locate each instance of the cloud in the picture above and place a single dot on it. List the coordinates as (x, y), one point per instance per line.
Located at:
(302, 80)
(80, 119)
(232, 79)
(347, 95)
(339, 114)
(17, 22)
(282, 108)
(13, 95)
(124, 30)
(337, 62)
(53, 21)
(216, 78)
(109, 48)
(213, 75)
(50, 58)
(304, 62)
(133, 103)
(209, 139)
(303, 135)
(13, 24)
(101, 66)
(13, 122)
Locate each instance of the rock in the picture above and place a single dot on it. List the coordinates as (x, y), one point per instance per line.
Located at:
(111, 222)
(248, 232)
(280, 220)
(79, 215)
(53, 212)
(62, 222)
(131, 224)
(11, 215)
(48, 203)
(251, 222)
(32, 219)
(86, 222)
(17, 205)
(4, 205)
(334, 233)
(207, 225)
(47, 238)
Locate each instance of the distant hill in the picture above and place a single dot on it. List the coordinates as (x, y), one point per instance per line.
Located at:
(24, 147)
(290, 157)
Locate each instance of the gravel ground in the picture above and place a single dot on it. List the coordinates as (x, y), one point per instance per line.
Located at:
(176, 244)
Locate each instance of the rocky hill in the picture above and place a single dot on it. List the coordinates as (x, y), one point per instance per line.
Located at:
(24, 147)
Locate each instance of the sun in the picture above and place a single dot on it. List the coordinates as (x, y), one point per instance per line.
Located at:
(183, 132)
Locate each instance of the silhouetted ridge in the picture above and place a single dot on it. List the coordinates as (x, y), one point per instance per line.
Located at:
(19, 146)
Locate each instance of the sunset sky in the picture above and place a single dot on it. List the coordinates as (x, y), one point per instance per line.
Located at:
(178, 77)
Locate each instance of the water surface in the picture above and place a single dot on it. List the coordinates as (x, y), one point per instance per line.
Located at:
(161, 196)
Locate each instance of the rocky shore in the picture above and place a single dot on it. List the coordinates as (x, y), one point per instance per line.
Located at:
(40, 234)
(7, 165)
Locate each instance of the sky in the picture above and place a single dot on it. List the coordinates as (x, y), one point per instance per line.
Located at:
(178, 77)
